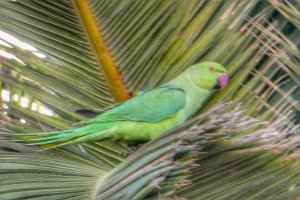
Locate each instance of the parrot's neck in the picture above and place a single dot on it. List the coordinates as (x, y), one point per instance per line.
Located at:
(195, 96)
(186, 83)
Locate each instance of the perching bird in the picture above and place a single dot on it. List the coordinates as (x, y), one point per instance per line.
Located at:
(147, 115)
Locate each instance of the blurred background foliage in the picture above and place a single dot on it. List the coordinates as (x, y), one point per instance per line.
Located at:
(60, 56)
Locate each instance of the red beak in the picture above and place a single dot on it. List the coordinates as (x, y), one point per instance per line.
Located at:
(222, 81)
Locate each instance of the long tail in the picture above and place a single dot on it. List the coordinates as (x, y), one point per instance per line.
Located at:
(49, 140)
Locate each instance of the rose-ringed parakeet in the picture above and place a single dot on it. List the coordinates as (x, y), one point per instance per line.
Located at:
(147, 115)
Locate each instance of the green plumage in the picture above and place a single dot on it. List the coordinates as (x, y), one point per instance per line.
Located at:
(145, 116)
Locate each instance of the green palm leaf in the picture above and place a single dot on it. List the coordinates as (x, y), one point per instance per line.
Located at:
(100, 52)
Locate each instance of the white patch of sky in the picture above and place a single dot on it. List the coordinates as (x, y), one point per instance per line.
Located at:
(34, 106)
(40, 55)
(10, 56)
(24, 102)
(16, 97)
(5, 44)
(9, 41)
(46, 111)
(13, 40)
(5, 95)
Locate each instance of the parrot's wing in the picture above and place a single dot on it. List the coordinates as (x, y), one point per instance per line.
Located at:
(152, 106)
(93, 113)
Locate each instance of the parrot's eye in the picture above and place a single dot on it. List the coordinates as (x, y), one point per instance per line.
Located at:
(211, 69)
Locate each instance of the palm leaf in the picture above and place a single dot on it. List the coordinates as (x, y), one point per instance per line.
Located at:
(98, 52)
(151, 172)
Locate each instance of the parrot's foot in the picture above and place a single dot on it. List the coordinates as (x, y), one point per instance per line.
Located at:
(132, 148)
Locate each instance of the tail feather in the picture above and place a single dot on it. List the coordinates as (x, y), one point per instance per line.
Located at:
(84, 138)
(60, 135)
(90, 137)
(70, 136)
(60, 138)
(39, 133)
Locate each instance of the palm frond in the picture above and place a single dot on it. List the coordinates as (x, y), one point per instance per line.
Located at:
(98, 52)
(153, 171)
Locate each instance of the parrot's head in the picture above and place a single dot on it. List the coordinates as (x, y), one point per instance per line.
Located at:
(208, 75)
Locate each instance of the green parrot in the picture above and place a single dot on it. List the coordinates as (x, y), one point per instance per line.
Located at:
(148, 114)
